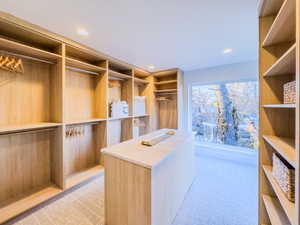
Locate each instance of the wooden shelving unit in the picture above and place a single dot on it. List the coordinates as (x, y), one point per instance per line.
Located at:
(166, 82)
(274, 210)
(115, 74)
(84, 66)
(26, 127)
(286, 64)
(146, 115)
(84, 121)
(280, 106)
(166, 91)
(140, 81)
(84, 175)
(28, 201)
(283, 28)
(55, 117)
(284, 146)
(119, 118)
(169, 85)
(279, 63)
(18, 48)
(287, 206)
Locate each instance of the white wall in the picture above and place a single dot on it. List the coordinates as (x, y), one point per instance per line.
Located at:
(232, 72)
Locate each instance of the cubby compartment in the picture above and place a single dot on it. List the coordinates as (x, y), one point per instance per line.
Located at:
(167, 110)
(275, 87)
(165, 81)
(82, 146)
(30, 38)
(140, 126)
(85, 97)
(120, 90)
(272, 116)
(30, 171)
(84, 59)
(119, 130)
(141, 95)
(31, 99)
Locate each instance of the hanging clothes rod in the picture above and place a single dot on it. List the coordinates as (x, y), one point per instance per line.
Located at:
(26, 57)
(28, 132)
(115, 78)
(83, 124)
(81, 70)
(166, 94)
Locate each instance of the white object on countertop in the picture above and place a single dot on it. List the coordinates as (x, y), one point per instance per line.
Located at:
(151, 157)
(157, 139)
(139, 105)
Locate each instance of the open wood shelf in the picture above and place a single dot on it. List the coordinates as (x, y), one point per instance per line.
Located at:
(166, 82)
(114, 74)
(26, 127)
(140, 81)
(28, 201)
(83, 54)
(165, 73)
(165, 91)
(83, 65)
(119, 118)
(275, 212)
(141, 115)
(141, 73)
(18, 48)
(283, 28)
(267, 8)
(280, 106)
(288, 206)
(84, 175)
(84, 121)
(284, 146)
(286, 64)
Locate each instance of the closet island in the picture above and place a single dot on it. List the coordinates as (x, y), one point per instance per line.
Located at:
(147, 184)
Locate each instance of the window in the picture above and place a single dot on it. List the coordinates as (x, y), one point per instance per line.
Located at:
(226, 113)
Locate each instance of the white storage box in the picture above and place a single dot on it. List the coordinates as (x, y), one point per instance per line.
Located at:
(119, 109)
(139, 105)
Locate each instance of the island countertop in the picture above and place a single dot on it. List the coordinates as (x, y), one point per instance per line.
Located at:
(149, 157)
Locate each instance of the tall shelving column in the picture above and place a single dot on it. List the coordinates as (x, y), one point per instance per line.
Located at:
(279, 122)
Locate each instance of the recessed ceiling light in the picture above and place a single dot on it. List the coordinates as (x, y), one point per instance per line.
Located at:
(151, 67)
(227, 50)
(82, 31)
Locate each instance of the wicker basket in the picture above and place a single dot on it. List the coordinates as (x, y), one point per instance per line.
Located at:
(289, 93)
(284, 174)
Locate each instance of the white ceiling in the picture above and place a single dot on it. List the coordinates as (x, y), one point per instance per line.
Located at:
(188, 34)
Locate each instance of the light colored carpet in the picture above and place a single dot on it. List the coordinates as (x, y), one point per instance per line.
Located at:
(224, 193)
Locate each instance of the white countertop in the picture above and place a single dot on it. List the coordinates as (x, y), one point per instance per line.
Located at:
(149, 157)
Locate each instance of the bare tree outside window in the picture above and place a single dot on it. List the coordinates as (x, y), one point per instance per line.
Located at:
(226, 113)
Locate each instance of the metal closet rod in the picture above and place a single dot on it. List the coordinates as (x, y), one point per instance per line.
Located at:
(27, 132)
(26, 57)
(81, 70)
(45, 61)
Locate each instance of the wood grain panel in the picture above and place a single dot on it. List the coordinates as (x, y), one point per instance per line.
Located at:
(26, 97)
(80, 151)
(25, 163)
(168, 113)
(80, 96)
(127, 193)
(101, 93)
(126, 129)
